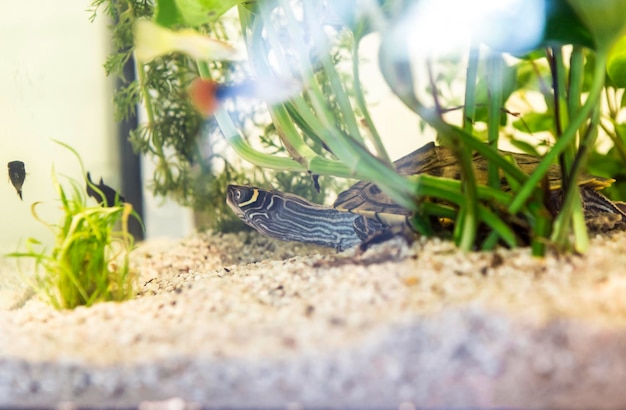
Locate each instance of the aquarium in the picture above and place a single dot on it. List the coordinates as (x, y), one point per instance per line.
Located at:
(313, 204)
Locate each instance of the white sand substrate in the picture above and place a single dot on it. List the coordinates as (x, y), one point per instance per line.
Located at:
(242, 321)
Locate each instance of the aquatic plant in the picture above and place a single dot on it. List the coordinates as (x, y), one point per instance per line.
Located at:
(562, 54)
(89, 260)
(192, 165)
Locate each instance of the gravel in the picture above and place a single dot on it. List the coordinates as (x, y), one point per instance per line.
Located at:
(241, 321)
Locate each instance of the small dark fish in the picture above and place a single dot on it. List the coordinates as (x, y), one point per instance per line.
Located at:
(106, 191)
(17, 175)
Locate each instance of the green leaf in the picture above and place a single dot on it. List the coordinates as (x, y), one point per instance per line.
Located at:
(198, 12)
(563, 26)
(616, 63)
(193, 13)
(525, 147)
(604, 19)
(590, 63)
(533, 122)
(253, 6)
(166, 13)
(533, 55)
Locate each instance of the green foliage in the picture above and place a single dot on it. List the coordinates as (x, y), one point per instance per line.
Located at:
(324, 127)
(89, 261)
(178, 140)
(123, 14)
(570, 122)
(170, 137)
(192, 13)
(533, 122)
(604, 20)
(563, 26)
(616, 64)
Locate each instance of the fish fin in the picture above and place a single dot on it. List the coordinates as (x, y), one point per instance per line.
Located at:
(151, 40)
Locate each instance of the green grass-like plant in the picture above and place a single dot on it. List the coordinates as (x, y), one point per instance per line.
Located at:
(89, 261)
(575, 65)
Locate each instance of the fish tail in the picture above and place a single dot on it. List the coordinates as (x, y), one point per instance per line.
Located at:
(155, 40)
(202, 47)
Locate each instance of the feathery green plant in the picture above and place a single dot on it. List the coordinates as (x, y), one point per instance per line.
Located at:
(89, 261)
(175, 137)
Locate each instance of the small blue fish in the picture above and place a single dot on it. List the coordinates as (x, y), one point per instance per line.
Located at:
(107, 195)
(17, 175)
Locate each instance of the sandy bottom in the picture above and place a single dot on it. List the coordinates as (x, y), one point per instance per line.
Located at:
(243, 321)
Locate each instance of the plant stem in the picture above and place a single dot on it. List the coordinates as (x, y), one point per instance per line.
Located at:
(557, 67)
(469, 109)
(495, 83)
(147, 98)
(360, 99)
(398, 75)
(571, 197)
(576, 76)
(450, 190)
(322, 49)
(568, 135)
